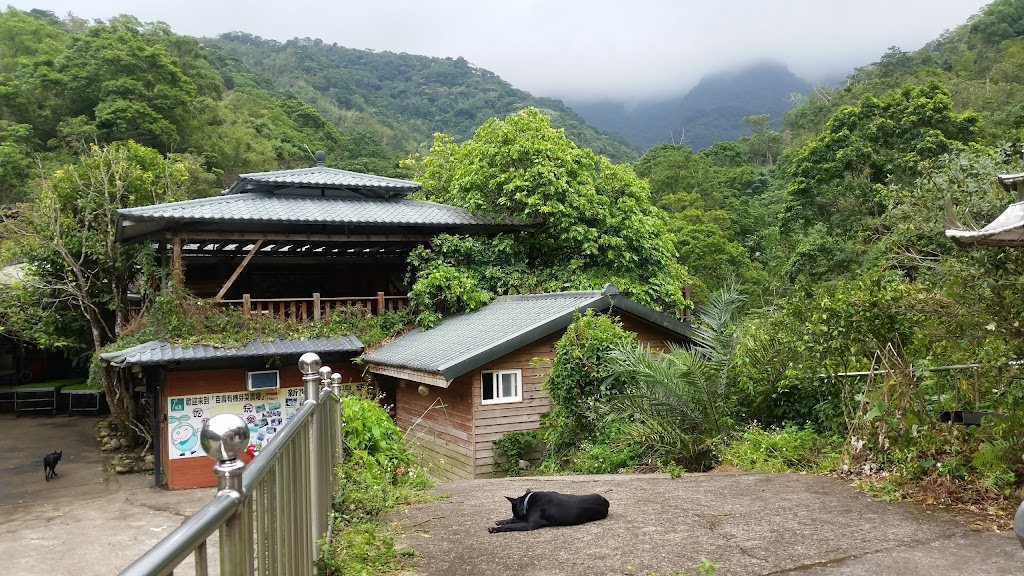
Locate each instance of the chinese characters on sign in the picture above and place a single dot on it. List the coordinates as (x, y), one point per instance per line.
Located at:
(264, 411)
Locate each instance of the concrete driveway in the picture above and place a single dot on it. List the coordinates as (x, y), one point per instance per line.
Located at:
(84, 522)
(745, 523)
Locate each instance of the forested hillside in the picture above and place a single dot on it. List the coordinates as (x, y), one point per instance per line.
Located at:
(238, 104)
(410, 97)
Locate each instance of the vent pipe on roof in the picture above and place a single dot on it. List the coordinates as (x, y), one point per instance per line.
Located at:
(321, 157)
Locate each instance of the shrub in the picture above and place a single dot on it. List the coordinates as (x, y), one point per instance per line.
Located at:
(789, 449)
(376, 474)
(581, 378)
(514, 446)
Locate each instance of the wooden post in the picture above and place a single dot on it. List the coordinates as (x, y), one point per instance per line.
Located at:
(177, 262)
(380, 303)
(245, 305)
(316, 306)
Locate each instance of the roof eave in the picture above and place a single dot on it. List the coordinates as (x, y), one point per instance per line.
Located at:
(652, 316)
(414, 375)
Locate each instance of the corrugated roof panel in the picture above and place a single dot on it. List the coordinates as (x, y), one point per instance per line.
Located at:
(322, 176)
(469, 335)
(268, 208)
(162, 352)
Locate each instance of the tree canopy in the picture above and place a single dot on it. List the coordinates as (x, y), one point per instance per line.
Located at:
(593, 221)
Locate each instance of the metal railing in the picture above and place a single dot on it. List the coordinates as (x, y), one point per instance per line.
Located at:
(270, 514)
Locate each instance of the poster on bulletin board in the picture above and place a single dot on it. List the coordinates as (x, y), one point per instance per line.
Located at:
(265, 412)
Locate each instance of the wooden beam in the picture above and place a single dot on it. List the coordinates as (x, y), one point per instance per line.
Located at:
(408, 374)
(255, 248)
(244, 236)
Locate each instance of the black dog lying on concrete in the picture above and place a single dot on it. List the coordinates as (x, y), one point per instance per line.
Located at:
(50, 464)
(539, 509)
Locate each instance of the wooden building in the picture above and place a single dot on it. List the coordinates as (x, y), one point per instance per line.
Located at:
(466, 382)
(186, 385)
(294, 244)
(300, 244)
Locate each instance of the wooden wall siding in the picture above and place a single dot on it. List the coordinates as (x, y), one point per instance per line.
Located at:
(655, 337)
(439, 426)
(492, 421)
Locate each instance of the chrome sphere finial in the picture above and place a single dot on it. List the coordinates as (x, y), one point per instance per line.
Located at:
(325, 372)
(224, 437)
(309, 363)
(336, 379)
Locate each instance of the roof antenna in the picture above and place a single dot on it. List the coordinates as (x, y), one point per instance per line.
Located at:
(321, 156)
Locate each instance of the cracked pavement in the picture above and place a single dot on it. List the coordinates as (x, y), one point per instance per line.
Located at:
(744, 523)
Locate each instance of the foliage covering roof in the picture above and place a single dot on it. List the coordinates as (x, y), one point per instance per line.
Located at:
(463, 342)
(157, 352)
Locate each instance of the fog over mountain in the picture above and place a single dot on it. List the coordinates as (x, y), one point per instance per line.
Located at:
(582, 50)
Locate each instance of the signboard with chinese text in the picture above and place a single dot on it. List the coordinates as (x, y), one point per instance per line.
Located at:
(264, 411)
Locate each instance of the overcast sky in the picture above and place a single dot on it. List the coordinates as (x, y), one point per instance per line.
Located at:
(578, 49)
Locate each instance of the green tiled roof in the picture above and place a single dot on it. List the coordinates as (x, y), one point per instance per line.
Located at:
(467, 341)
(327, 178)
(157, 352)
(261, 208)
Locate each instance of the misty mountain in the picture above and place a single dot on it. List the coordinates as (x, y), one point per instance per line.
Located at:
(409, 97)
(712, 111)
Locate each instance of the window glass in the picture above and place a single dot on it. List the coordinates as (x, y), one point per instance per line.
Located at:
(508, 385)
(487, 385)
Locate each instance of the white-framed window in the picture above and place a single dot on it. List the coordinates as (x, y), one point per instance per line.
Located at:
(499, 386)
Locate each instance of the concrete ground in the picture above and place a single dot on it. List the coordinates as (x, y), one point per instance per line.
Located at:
(745, 523)
(84, 522)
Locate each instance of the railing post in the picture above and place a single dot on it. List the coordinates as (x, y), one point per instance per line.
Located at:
(380, 303)
(309, 365)
(336, 384)
(224, 437)
(316, 306)
(246, 305)
(338, 436)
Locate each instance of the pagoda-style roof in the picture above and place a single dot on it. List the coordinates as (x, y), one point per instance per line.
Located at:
(268, 212)
(1006, 230)
(319, 203)
(324, 179)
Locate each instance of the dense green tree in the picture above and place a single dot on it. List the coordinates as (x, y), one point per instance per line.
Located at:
(16, 166)
(67, 238)
(593, 221)
(835, 177)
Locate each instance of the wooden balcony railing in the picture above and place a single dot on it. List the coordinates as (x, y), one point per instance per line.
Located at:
(317, 308)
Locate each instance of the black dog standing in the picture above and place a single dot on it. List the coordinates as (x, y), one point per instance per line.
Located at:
(538, 509)
(50, 464)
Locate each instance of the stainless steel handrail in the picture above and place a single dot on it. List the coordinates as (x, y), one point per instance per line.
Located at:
(271, 513)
